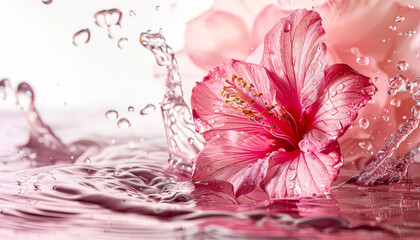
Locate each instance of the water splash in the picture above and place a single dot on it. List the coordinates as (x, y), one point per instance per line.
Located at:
(384, 169)
(177, 117)
(43, 147)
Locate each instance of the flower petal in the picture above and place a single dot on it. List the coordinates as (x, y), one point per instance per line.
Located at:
(346, 91)
(215, 37)
(212, 115)
(302, 174)
(234, 157)
(294, 51)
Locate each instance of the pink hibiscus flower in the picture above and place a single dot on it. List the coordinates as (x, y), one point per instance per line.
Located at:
(275, 125)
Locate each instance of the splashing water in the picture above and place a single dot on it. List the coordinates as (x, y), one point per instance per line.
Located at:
(384, 169)
(179, 125)
(124, 190)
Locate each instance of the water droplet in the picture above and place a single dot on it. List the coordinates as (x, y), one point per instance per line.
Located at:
(410, 33)
(402, 65)
(385, 118)
(411, 6)
(392, 28)
(333, 111)
(148, 109)
(386, 110)
(383, 40)
(395, 102)
(132, 13)
(416, 54)
(333, 93)
(399, 19)
(364, 123)
(365, 145)
(46, 2)
(111, 114)
(362, 60)
(122, 42)
(287, 26)
(131, 109)
(123, 123)
(157, 8)
(190, 140)
(81, 37)
(88, 161)
(375, 79)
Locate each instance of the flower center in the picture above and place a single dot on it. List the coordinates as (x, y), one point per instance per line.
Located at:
(243, 97)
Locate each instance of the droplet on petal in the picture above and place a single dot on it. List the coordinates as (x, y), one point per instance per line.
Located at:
(362, 60)
(364, 123)
(402, 65)
(365, 145)
(190, 140)
(392, 28)
(410, 33)
(131, 109)
(399, 19)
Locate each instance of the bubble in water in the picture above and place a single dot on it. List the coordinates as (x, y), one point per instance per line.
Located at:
(123, 123)
(364, 123)
(365, 145)
(157, 8)
(81, 37)
(410, 33)
(132, 13)
(46, 2)
(402, 65)
(122, 42)
(148, 109)
(190, 140)
(399, 19)
(111, 114)
(131, 109)
(287, 26)
(392, 28)
(362, 60)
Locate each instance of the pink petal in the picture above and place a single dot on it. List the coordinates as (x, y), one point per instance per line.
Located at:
(215, 37)
(302, 174)
(212, 115)
(234, 157)
(263, 23)
(294, 51)
(346, 91)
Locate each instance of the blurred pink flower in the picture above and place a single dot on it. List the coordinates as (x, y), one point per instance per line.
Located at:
(276, 124)
(358, 33)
